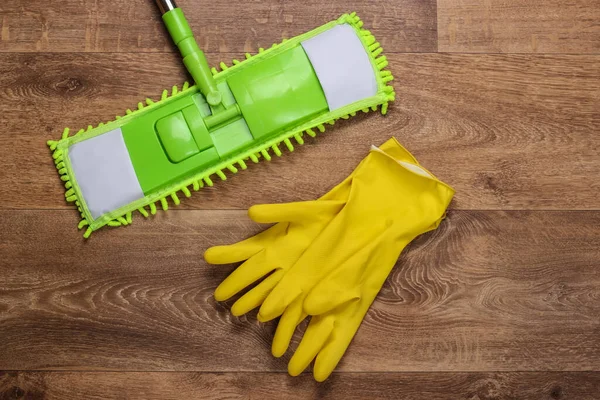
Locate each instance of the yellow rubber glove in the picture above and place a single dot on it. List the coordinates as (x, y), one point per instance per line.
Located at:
(339, 275)
(275, 250)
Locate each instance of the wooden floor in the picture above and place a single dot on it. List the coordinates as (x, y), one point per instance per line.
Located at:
(499, 98)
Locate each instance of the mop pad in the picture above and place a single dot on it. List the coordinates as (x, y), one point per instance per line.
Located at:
(245, 112)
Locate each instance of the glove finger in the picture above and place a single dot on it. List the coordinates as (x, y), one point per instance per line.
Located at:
(278, 300)
(244, 275)
(290, 319)
(294, 212)
(316, 335)
(233, 253)
(257, 294)
(331, 354)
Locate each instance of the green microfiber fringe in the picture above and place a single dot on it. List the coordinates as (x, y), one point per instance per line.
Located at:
(384, 77)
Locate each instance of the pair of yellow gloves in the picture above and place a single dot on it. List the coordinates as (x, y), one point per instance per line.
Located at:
(329, 258)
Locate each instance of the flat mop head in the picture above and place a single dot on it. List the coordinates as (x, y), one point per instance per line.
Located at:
(179, 143)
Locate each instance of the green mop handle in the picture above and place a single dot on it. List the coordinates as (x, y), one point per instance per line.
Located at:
(193, 58)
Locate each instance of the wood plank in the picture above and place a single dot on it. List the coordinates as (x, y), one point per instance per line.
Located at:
(519, 26)
(488, 291)
(347, 386)
(507, 131)
(234, 26)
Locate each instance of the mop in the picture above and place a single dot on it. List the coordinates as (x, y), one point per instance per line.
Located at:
(245, 112)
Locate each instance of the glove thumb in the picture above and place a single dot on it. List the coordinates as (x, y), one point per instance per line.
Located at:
(295, 212)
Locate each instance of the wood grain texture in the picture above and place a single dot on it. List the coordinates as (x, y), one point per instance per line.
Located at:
(501, 302)
(347, 386)
(488, 291)
(131, 26)
(519, 26)
(507, 131)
